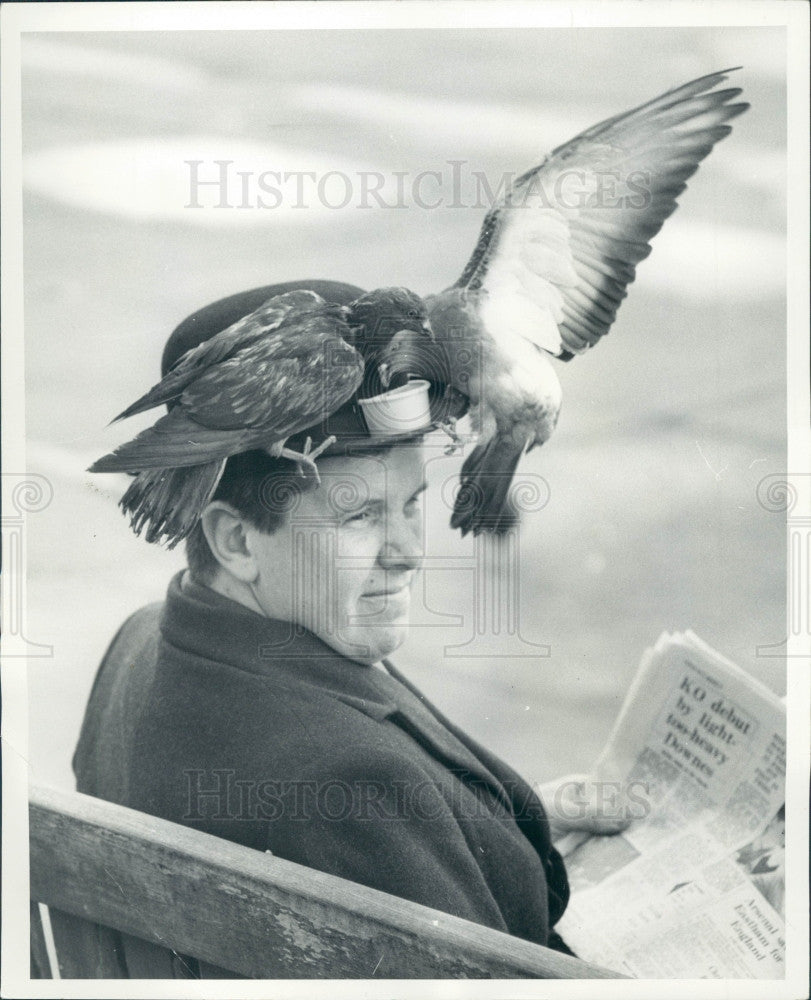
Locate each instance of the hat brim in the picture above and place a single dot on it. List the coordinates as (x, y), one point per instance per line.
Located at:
(349, 428)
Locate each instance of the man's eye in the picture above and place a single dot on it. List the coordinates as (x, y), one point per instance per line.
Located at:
(414, 505)
(359, 518)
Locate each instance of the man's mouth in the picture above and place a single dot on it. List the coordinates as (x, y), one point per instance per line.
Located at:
(389, 592)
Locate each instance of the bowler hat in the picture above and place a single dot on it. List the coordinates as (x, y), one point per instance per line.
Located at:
(347, 424)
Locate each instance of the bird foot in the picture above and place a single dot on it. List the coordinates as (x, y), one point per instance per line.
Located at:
(457, 441)
(305, 459)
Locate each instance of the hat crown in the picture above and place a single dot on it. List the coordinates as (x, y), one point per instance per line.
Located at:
(217, 316)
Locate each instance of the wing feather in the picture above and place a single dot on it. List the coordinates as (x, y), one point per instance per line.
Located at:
(259, 324)
(253, 391)
(255, 398)
(174, 441)
(576, 256)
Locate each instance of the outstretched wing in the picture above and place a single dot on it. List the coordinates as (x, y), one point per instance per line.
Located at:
(258, 325)
(555, 257)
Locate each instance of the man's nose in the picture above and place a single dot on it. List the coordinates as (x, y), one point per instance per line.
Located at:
(402, 547)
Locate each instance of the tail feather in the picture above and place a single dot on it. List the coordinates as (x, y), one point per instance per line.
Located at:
(482, 503)
(149, 400)
(172, 385)
(175, 440)
(169, 502)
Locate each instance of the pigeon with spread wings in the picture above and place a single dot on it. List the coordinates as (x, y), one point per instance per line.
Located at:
(277, 371)
(551, 267)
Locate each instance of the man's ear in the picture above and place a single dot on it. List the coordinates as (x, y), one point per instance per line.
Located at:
(224, 528)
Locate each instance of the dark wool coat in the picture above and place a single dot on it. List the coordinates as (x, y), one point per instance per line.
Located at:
(208, 714)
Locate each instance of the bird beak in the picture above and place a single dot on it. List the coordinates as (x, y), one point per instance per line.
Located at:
(410, 353)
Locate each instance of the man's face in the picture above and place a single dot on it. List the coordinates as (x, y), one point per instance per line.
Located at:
(343, 563)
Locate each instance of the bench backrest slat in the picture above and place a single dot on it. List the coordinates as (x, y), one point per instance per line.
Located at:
(40, 963)
(245, 911)
(86, 950)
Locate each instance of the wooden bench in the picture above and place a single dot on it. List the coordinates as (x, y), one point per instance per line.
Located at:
(133, 896)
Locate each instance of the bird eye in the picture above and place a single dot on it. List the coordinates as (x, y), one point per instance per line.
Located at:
(412, 314)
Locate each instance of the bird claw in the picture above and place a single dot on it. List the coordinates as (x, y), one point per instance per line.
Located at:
(457, 441)
(305, 459)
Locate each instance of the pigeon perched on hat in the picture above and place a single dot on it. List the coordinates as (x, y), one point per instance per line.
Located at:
(306, 368)
(290, 375)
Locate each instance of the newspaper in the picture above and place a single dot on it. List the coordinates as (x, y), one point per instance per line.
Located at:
(693, 888)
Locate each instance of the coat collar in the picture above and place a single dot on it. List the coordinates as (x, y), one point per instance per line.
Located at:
(208, 625)
(200, 621)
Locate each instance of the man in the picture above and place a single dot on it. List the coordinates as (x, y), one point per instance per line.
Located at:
(258, 704)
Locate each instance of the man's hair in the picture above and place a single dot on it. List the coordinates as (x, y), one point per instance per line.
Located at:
(263, 490)
(260, 488)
